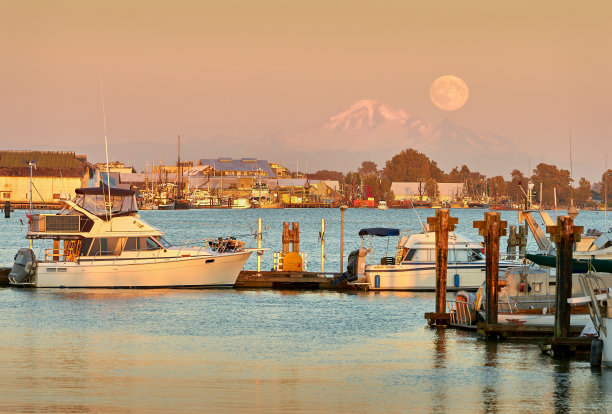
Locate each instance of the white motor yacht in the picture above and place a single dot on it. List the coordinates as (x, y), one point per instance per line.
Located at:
(99, 240)
(413, 266)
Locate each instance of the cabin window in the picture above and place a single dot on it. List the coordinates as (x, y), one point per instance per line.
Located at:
(105, 246)
(150, 244)
(409, 255)
(86, 247)
(162, 241)
(6, 195)
(461, 255)
(422, 255)
(132, 244)
(474, 255)
(94, 249)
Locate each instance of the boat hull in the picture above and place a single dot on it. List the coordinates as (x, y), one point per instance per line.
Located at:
(607, 342)
(202, 271)
(422, 276)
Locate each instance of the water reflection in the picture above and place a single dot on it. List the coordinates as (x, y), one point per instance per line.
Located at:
(440, 403)
(491, 378)
(563, 386)
(266, 351)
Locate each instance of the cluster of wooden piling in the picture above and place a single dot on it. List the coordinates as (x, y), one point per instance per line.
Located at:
(563, 342)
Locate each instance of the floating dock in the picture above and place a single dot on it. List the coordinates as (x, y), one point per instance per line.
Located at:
(252, 279)
(4, 271)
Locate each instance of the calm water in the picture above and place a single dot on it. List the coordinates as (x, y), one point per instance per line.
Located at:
(269, 351)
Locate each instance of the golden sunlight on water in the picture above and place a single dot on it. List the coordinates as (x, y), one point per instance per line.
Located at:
(228, 351)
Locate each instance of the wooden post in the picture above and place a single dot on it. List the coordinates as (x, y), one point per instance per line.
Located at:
(342, 209)
(492, 228)
(322, 236)
(441, 224)
(285, 237)
(295, 232)
(564, 234)
(259, 244)
(291, 236)
(522, 240)
(7, 209)
(512, 243)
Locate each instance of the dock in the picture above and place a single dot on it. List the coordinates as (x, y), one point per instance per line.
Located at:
(252, 279)
(4, 271)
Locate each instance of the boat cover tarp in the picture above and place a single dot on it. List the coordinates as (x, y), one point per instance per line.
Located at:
(379, 231)
(578, 265)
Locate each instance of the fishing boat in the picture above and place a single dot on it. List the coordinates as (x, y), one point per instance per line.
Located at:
(413, 265)
(382, 205)
(99, 240)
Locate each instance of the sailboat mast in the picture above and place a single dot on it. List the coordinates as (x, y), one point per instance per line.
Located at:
(180, 178)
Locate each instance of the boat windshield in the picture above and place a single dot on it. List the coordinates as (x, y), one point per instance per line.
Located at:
(98, 202)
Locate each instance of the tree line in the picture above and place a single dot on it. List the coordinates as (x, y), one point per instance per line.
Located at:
(413, 166)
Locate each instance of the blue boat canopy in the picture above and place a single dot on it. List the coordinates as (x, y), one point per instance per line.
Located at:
(379, 231)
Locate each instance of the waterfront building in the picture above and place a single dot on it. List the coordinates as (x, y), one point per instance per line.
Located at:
(416, 191)
(243, 167)
(115, 167)
(55, 174)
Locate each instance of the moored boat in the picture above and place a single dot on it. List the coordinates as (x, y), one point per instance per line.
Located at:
(413, 265)
(107, 244)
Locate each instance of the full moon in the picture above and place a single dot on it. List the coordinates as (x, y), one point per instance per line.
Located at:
(449, 93)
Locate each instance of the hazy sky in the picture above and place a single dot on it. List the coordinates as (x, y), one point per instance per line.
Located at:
(252, 69)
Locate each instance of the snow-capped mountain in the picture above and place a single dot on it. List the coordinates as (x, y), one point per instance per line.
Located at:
(372, 127)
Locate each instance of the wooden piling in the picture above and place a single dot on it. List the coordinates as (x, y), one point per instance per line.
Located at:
(564, 234)
(7, 209)
(291, 236)
(441, 224)
(492, 228)
(521, 239)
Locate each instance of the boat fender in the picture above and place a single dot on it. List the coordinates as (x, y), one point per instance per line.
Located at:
(596, 352)
(24, 266)
(522, 287)
(457, 280)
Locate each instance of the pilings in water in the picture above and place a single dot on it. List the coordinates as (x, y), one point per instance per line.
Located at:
(7, 209)
(492, 228)
(441, 224)
(564, 234)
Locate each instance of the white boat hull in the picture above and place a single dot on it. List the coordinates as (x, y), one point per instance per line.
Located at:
(607, 343)
(422, 276)
(201, 271)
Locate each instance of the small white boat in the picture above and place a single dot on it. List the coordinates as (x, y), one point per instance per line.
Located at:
(382, 205)
(413, 266)
(107, 244)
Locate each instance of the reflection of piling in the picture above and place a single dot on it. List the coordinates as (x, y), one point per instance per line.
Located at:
(492, 228)
(564, 234)
(441, 224)
(7, 209)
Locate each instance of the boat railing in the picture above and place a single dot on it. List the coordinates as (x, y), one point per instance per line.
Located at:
(460, 312)
(201, 245)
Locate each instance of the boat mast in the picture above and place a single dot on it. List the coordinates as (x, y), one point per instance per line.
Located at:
(106, 149)
(179, 172)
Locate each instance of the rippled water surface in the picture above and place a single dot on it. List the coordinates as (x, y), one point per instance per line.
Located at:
(92, 350)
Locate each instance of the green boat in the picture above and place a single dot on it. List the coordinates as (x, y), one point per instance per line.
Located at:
(578, 265)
